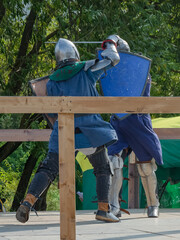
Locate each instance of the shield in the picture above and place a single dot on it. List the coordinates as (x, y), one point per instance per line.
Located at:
(38, 87)
(127, 79)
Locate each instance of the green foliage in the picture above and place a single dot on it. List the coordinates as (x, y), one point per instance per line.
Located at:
(150, 27)
(8, 183)
(53, 203)
(10, 121)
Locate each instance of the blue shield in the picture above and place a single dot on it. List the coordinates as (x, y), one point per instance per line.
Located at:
(127, 79)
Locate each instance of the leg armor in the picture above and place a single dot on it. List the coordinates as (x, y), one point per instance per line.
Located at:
(149, 182)
(117, 181)
(103, 172)
(44, 176)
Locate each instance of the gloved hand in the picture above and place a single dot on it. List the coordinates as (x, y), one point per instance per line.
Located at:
(123, 46)
(111, 39)
(120, 44)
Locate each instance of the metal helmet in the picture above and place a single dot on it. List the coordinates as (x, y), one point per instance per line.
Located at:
(65, 50)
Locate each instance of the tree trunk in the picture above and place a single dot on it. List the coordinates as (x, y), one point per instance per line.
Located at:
(24, 181)
(7, 149)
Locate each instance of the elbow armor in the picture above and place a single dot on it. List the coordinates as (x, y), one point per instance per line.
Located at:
(110, 57)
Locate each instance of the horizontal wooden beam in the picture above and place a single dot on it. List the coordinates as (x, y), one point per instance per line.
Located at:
(168, 133)
(42, 135)
(25, 135)
(126, 105)
(89, 105)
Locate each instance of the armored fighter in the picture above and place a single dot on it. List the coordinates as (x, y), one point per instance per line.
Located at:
(135, 133)
(73, 77)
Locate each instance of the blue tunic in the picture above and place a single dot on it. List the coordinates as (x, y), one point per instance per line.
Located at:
(96, 131)
(136, 132)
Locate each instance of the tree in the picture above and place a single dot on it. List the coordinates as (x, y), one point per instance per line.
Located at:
(150, 27)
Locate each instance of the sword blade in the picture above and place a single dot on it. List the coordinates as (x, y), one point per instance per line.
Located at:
(80, 42)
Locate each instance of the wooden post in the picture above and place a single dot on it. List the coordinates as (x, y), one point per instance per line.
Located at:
(67, 177)
(133, 185)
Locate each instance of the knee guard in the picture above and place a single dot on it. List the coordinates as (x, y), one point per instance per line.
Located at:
(45, 175)
(117, 180)
(102, 170)
(149, 182)
(101, 162)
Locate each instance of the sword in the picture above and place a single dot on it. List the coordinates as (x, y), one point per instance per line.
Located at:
(79, 42)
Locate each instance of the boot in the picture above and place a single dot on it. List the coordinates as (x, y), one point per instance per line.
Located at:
(117, 214)
(153, 211)
(22, 214)
(103, 213)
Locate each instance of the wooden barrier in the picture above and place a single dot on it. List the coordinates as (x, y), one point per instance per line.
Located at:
(89, 104)
(66, 107)
(42, 135)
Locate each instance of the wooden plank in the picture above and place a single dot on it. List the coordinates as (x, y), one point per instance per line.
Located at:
(42, 135)
(90, 104)
(32, 104)
(168, 133)
(25, 135)
(67, 177)
(133, 183)
(126, 105)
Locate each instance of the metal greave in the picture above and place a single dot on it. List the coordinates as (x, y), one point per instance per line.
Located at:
(101, 163)
(45, 175)
(149, 182)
